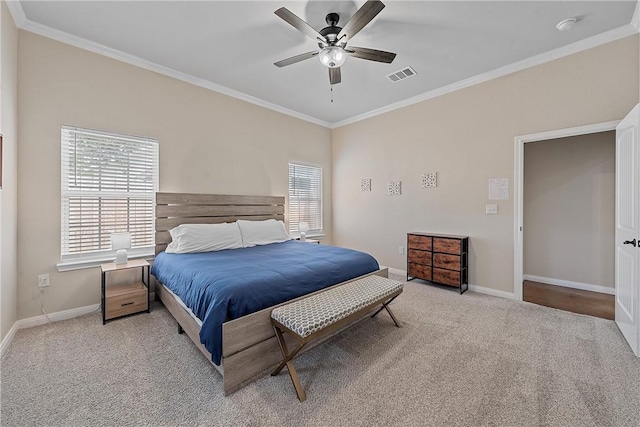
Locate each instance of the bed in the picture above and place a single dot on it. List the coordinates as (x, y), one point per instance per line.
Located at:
(235, 335)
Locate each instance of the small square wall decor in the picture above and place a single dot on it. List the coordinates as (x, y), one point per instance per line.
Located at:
(499, 189)
(430, 180)
(365, 185)
(393, 188)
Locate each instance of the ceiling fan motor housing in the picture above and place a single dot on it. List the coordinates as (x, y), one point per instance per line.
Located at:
(330, 34)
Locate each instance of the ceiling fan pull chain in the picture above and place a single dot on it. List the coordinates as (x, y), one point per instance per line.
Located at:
(332, 94)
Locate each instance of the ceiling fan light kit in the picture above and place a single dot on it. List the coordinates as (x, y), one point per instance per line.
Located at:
(332, 40)
(332, 56)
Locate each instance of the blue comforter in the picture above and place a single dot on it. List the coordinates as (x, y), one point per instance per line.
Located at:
(225, 285)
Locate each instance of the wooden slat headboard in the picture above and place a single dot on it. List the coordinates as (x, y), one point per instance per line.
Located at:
(173, 209)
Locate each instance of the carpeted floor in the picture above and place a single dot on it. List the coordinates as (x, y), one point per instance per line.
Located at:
(459, 360)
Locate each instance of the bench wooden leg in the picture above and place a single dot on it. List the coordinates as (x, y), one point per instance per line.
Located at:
(385, 305)
(287, 361)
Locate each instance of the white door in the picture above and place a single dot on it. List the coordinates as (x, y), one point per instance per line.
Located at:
(628, 229)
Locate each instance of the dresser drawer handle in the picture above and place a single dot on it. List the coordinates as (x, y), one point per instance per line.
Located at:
(126, 303)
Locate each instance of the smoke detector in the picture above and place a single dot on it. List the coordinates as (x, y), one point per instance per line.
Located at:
(567, 24)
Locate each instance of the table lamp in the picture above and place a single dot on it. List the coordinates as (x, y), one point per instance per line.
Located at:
(120, 242)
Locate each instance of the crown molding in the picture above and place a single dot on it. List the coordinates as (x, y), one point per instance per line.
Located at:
(118, 55)
(15, 7)
(635, 20)
(16, 10)
(579, 46)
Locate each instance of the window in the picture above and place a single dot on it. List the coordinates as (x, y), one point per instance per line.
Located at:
(305, 198)
(109, 183)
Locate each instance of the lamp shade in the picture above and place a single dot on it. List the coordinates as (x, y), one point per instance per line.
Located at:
(120, 242)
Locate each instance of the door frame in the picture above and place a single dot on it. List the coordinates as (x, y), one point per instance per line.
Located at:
(518, 188)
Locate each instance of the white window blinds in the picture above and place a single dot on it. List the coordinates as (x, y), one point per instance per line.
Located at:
(305, 198)
(109, 183)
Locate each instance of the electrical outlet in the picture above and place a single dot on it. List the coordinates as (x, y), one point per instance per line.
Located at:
(43, 280)
(400, 250)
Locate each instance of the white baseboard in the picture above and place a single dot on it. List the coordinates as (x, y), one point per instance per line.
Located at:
(474, 288)
(8, 338)
(491, 291)
(397, 271)
(55, 317)
(570, 284)
(41, 320)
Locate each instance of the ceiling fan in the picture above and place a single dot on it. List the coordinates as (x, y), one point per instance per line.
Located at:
(332, 40)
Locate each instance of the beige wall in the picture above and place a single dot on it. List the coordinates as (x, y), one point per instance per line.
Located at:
(569, 206)
(8, 193)
(213, 143)
(209, 143)
(468, 137)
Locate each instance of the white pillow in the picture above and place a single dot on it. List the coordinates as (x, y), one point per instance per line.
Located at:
(255, 233)
(191, 238)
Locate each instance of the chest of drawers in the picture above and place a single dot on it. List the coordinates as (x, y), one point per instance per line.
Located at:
(438, 258)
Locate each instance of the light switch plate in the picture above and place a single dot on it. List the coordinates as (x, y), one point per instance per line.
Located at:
(492, 209)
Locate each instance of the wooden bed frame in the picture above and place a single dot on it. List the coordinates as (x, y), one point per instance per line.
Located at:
(249, 344)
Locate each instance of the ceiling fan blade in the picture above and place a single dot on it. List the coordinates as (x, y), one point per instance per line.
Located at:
(335, 76)
(295, 59)
(299, 24)
(370, 54)
(361, 18)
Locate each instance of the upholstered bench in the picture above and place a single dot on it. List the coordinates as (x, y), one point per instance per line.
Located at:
(321, 314)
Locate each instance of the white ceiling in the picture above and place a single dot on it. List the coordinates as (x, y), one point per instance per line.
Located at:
(231, 46)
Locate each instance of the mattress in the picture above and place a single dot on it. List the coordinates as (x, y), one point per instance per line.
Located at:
(225, 285)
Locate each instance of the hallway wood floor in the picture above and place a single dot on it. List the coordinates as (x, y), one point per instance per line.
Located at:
(568, 299)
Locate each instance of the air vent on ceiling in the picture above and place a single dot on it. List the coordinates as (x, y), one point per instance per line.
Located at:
(403, 74)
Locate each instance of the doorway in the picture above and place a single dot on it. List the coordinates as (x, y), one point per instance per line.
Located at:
(569, 225)
(580, 284)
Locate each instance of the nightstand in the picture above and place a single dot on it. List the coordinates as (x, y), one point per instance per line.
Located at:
(127, 298)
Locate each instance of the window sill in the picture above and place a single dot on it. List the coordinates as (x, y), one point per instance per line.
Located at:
(81, 264)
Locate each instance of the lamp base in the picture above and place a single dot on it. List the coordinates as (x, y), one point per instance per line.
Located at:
(121, 256)
(303, 236)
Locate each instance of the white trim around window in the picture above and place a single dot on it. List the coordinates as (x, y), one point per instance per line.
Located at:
(108, 184)
(305, 202)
